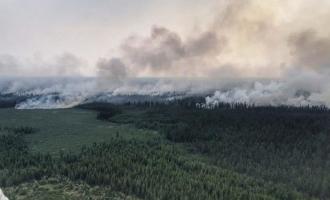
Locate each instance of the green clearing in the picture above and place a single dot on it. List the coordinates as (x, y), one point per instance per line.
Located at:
(68, 129)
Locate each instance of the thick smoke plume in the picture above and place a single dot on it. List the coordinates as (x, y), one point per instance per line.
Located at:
(311, 51)
(285, 43)
(250, 38)
(165, 53)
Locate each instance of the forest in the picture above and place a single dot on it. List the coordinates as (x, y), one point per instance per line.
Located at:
(232, 151)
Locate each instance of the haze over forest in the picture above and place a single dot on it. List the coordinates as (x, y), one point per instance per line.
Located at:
(275, 52)
(165, 99)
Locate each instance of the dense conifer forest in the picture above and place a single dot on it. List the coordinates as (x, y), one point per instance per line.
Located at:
(232, 151)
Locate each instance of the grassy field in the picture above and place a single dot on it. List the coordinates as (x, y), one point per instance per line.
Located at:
(68, 129)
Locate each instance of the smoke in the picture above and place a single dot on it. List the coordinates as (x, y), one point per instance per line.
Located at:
(164, 52)
(250, 38)
(2, 196)
(311, 51)
(273, 93)
(52, 93)
(113, 69)
(8, 65)
(111, 73)
(65, 64)
(285, 42)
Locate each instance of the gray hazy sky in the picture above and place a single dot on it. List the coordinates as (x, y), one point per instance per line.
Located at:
(89, 28)
(195, 38)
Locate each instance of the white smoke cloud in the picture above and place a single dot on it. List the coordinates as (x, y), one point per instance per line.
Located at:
(54, 93)
(2, 196)
(51, 93)
(284, 41)
(274, 93)
(65, 93)
(297, 89)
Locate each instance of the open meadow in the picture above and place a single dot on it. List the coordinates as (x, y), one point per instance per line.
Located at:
(67, 129)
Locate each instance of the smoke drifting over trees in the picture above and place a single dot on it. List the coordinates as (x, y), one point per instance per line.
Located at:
(286, 42)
